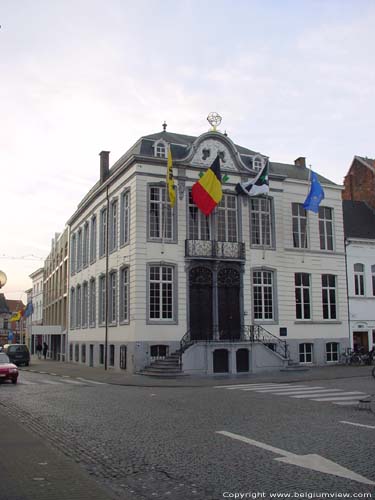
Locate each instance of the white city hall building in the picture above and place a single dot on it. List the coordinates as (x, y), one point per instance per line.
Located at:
(257, 285)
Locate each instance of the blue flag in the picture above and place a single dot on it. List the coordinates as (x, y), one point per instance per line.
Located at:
(29, 310)
(315, 196)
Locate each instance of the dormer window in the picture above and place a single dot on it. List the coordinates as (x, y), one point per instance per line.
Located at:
(257, 163)
(160, 149)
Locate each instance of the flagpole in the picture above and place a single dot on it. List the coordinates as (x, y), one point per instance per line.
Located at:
(304, 245)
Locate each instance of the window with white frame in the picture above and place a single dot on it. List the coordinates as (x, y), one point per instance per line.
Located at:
(73, 250)
(161, 279)
(93, 239)
(113, 225)
(103, 233)
(112, 298)
(257, 163)
(79, 250)
(303, 295)
(227, 218)
(78, 306)
(299, 222)
(160, 150)
(373, 279)
(306, 353)
(125, 217)
(85, 255)
(329, 296)
(359, 279)
(102, 283)
(160, 215)
(260, 222)
(85, 304)
(92, 302)
(72, 307)
(263, 295)
(124, 294)
(199, 224)
(332, 352)
(326, 228)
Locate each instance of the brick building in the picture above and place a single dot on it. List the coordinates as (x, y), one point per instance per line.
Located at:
(359, 182)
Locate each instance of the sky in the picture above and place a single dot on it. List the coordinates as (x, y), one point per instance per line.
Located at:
(289, 78)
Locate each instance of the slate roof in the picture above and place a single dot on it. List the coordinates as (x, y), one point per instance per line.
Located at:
(3, 305)
(359, 220)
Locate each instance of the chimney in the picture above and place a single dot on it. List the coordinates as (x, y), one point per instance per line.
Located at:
(104, 166)
(300, 162)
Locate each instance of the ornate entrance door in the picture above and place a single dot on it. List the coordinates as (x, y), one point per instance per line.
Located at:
(200, 299)
(228, 283)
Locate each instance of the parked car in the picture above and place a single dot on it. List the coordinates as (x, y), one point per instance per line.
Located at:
(18, 353)
(8, 371)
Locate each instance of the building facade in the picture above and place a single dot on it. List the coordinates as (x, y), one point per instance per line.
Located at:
(255, 285)
(359, 224)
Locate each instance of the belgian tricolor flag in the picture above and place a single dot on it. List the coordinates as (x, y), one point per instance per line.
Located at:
(207, 192)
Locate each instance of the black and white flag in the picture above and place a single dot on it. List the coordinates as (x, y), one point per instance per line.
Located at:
(256, 186)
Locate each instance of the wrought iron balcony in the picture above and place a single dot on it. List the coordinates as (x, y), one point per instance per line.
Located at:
(215, 249)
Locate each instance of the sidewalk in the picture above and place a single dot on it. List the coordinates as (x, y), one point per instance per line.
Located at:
(111, 376)
(32, 470)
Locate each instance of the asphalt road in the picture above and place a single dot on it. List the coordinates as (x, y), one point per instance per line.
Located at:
(210, 442)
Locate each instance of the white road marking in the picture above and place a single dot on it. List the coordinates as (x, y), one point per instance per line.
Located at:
(357, 425)
(311, 461)
(339, 398)
(327, 392)
(91, 381)
(26, 382)
(75, 382)
(291, 390)
(51, 382)
(267, 388)
(346, 403)
(240, 386)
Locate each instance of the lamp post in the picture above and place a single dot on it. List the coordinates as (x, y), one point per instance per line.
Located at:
(3, 279)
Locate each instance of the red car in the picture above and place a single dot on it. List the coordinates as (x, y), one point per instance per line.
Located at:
(8, 371)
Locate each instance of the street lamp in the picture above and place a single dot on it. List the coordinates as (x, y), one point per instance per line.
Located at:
(3, 279)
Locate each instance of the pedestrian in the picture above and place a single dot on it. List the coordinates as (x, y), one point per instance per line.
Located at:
(45, 349)
(39, 349)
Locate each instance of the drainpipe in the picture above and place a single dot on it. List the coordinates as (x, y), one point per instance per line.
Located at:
(106, 284)
(346, 244)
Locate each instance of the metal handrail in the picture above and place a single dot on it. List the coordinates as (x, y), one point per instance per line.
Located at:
(247, 333)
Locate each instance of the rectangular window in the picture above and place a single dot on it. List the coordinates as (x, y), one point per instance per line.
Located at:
(305, 353)
(227, 218)
(103, 233)
(329, 296)
(373, 279)
(160, 214)
(124, 294)
(199, 224)
(101, 354)
(111, 355)
(260, 222)
(76, 352)
(79, 250)
(92, 307)
(263, 295)
(112, 304)
(359, 279)
(93, 240)
(85, 304)
(83, 353)
(302, 294)
(326, 228)
(113, 226)
(78, 307)
(85, 256)
(73, 251)
(332, 352)
(72, 308)
(125, 218)
(299, 221)
(102, 297)
(161, 292)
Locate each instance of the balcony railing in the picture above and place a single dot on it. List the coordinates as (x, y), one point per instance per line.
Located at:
(215, 249)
